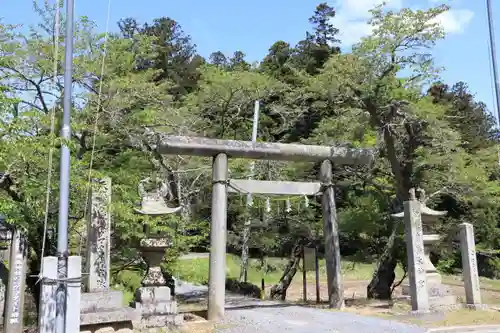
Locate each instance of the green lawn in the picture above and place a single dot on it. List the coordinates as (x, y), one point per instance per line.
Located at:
(196, 270)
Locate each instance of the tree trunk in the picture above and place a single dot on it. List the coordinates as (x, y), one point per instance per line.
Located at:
(278, 291)
(384, 276)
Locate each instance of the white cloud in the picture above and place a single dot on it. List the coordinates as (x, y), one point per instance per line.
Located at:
(455, 20)
(352, 17)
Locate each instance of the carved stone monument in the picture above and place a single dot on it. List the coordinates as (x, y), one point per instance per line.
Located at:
(14, 306)
(469, 267)
(5, 241)
(100, 305)
(153, 300)
(439, 295)
(98, 236)
(415, 251)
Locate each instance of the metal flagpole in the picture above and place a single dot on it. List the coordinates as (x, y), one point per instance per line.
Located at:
(62, 226)
(491, 29)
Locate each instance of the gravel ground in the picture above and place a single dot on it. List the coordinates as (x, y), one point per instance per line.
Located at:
(297, 319)
(291, 318)
(307, 320)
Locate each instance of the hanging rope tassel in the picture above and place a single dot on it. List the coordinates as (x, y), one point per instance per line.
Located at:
(288, 205)
(249, 200)
(268, 205)
(306, 201)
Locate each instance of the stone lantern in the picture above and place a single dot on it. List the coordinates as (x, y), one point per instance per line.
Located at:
(154, 297)
(439, 295)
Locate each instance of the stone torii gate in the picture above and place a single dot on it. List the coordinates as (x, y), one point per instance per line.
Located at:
(220, 150)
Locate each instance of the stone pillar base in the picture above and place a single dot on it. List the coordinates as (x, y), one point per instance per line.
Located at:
(157, 308)
(440, 295)
(476, 306)
(106, 308)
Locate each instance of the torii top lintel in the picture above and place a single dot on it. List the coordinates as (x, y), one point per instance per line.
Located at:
(200, 146)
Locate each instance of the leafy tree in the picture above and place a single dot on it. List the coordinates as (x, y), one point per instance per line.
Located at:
(218, 59)
(225, 100)
(110, 129)
(324, 30)
(312, 52)
(413, 136)
(154, 83)
(237, 62)
(176, 57)
(470, 118)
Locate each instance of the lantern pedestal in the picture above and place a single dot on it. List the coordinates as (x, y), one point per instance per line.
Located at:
(440, 295)
(154, 299)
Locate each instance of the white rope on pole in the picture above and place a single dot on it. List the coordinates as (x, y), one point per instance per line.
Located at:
(99, 95)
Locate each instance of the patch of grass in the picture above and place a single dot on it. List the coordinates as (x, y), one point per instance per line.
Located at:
(461, 317)
(487, 284)
(466, 317)
(196, 270)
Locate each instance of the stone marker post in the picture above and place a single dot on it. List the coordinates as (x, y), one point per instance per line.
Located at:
(74, 294)
(98, 305)
(47, 315)
(5, 240)
(415, 252)
(13, 320)
(218, 225)
(331, 232)
(98, 236)
(469, 265)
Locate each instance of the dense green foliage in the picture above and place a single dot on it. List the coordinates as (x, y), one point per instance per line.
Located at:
(377, 96)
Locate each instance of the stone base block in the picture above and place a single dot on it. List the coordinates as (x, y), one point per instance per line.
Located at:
(91, 302)
(448, 302)
(419, 312)
(168, 307)
(156, 307)
(152, 294)
(440, 295)
(167, 320)
(130, 315)
(476, 306)
(434, 290)
(439, 290)
(106, 329)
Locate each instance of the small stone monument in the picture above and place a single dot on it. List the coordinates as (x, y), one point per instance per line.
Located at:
(469, 267)
(5, 240)
(14, 304)
(439, 295)
(154, 300)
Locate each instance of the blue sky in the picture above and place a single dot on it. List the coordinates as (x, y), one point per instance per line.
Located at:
(252, 26)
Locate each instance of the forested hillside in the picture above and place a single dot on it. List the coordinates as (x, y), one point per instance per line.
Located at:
(385, 94)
